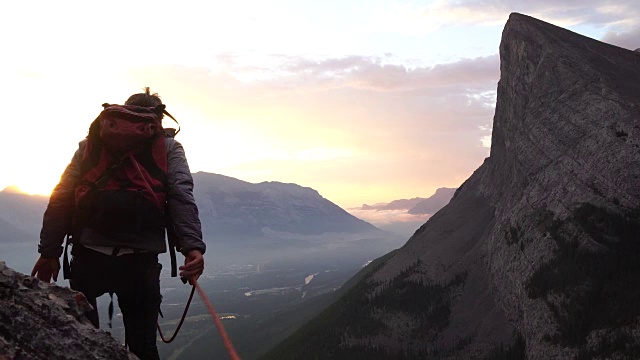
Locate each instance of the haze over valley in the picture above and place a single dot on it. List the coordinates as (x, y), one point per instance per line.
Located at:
(276, 254)
(403, 216)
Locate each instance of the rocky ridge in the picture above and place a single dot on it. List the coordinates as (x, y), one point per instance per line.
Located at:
(44, 321)
(537, 256)
(561, 185)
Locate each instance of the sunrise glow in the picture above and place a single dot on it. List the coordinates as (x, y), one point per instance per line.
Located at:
(363, 102)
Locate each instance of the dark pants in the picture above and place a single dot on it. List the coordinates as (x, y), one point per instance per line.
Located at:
(135, 279)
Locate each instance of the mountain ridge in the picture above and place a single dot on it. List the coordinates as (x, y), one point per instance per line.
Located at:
(241, 221)
(416, 205)
(517, 262)
(274, 206)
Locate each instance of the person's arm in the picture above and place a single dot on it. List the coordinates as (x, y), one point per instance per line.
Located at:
(184, 211)
(56, 222)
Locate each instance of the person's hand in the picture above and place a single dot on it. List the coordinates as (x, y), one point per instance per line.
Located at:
(46, 268)
(193, 266)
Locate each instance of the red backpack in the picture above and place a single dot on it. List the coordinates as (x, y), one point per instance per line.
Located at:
(123, 185)
(125, 155)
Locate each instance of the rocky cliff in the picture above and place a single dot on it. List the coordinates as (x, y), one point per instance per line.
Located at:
(45, 321)
(538, 253)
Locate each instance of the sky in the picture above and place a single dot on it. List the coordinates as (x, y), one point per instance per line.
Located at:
(364, 101)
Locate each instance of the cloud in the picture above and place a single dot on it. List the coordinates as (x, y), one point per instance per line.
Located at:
(367, 72)
(408, 104)
(472, 74)
(627, 39)
(355, 128)
(565, 13)
(412, 19)
(385, 217)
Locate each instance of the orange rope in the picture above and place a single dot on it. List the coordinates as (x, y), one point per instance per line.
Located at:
(225, 339)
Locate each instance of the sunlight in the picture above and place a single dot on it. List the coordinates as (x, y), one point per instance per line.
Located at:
(51, 112)
(33, 189)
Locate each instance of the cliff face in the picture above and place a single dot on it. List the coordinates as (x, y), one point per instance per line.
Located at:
(561, 192)
(43, 321)
(539, 250)
(564, 177)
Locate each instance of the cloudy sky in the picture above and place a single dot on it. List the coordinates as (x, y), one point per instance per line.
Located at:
(364, 101)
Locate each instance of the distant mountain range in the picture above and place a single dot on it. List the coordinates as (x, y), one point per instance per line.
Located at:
(434, 203)
(235, 214)
(417, 205)
(231, 206)
(404, 216)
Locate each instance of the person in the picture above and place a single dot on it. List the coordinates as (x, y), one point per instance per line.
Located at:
(102, 262)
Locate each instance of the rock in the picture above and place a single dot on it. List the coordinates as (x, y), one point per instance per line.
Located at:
(45, 321)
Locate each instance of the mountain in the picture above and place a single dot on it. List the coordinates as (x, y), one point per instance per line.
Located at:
(416, 205)
(244, 222)
(434, 203)
(228, 205)
(537, 255)
(402, 204)
(403, 216)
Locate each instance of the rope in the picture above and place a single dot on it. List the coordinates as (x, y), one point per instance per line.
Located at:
(225, 339)
(184, 314)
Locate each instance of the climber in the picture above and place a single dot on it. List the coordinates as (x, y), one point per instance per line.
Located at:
(112, 200)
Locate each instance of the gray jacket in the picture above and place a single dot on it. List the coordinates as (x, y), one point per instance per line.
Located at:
(58, 217)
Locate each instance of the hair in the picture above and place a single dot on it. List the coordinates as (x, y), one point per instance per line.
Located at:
(145, 99)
